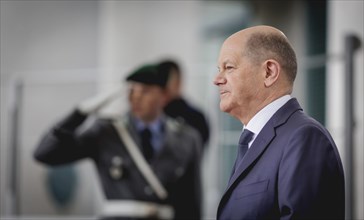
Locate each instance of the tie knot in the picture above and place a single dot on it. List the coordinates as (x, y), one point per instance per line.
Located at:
(246, 137)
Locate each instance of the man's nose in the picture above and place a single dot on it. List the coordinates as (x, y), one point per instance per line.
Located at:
(219, 79)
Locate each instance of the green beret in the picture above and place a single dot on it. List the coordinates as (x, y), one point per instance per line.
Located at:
(148, 74)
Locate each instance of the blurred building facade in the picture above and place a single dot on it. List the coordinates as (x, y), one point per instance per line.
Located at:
(55, 54)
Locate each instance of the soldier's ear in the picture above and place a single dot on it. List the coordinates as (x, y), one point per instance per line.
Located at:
(272, 71)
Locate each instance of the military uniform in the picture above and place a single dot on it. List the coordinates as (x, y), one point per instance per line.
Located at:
(176, 165)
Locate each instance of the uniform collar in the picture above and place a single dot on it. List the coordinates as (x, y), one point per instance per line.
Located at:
(155, 126)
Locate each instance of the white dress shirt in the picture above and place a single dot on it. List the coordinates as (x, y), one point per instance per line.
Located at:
(260, 119)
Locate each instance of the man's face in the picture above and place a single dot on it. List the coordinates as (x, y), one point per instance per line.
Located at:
(238, 79)
(146, 101)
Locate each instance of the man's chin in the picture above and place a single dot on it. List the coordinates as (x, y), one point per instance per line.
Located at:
(137, 114)
(224, 108)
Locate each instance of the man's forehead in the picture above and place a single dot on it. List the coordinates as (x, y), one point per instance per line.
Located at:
(233, 44)
(229, 54)
(227, 59)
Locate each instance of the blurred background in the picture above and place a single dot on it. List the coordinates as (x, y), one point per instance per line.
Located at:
(55, 54)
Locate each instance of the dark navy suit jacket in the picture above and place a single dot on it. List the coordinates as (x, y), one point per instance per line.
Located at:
(292, 171)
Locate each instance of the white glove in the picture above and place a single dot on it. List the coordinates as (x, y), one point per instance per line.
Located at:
(94, 104)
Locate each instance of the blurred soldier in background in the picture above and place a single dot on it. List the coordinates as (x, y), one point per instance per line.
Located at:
(177, 106)
(148, 163)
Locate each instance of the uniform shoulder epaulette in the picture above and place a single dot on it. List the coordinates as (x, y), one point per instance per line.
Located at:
(176, 124)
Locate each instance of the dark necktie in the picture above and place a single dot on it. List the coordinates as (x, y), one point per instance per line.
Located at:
(244, 140)
(146, 144)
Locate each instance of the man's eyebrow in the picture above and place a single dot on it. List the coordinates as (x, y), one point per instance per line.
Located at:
(226, 61)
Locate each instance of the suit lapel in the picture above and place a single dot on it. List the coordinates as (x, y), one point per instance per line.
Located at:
(262, 141)
(257, 148)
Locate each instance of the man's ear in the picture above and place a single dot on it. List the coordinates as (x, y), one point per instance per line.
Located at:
(272, 71)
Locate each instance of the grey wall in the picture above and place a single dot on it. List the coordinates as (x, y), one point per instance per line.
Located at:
(346, 17)
(51, 48)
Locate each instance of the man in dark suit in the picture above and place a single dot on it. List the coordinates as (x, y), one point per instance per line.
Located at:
(148, 163)
(288, 166)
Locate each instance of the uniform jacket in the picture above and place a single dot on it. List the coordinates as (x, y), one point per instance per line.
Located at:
(176, 165)
(291, 171)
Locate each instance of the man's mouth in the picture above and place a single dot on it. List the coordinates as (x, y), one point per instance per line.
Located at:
(223, 92)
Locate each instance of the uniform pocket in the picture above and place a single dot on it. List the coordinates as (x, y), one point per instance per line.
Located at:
(251, 189)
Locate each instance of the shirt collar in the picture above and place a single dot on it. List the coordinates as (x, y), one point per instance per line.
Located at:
(155, 126)
(259, 120)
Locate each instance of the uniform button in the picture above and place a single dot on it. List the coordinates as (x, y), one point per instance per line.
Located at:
(116, 172)
(148, 191)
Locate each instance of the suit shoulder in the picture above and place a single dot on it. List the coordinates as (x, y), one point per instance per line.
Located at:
(304, 129)
(302, 121)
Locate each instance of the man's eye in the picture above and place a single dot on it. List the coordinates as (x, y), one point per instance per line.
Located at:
(228, 67)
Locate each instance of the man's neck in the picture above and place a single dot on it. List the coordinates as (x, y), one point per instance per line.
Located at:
(259, 106)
